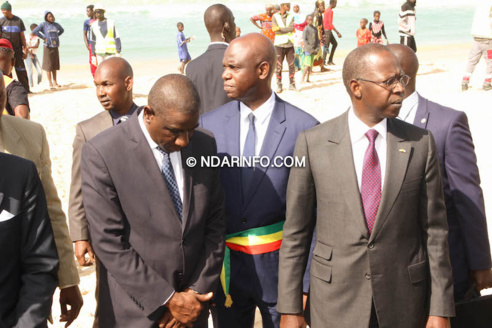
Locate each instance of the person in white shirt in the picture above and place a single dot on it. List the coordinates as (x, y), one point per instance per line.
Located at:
(482, 46)
(32, 43)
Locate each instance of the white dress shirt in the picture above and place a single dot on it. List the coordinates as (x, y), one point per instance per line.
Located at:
(357, 130)
(218, 42)
(262, 119)
(409, 108)
(159, 158)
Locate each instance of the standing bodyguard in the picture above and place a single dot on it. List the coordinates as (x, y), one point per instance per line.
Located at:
(256, 123)
(469, 246)
(156, 224)
(372, 188)
(206, 70)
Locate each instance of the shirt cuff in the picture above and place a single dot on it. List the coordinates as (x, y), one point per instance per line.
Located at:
(169, 298)
(68, 286)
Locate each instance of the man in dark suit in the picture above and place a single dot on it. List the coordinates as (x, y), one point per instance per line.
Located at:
(28, 276)
(156, 224)
(206, 70)
(371, 186)
(257, 123)
(469, 246)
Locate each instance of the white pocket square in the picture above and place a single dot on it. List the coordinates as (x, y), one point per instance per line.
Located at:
(5, 216)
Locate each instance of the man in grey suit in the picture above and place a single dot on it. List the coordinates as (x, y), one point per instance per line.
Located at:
(372, 188)
(206, 70)
(28, 276)
(156, 224)
(468, 239)
(114, 89)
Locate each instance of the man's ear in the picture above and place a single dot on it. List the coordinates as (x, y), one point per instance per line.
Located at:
(148, 114)
(264, 70)
(129, 83)
(355, 88)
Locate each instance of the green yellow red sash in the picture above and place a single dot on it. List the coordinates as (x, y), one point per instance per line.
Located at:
(253, 241)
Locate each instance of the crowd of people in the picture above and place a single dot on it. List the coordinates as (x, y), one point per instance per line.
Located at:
(381, 223)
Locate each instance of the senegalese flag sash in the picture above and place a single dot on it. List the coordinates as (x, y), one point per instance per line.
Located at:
(253, 241)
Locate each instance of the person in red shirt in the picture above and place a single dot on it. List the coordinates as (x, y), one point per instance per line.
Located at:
(363, 33)
(329, 28)
(265, 20)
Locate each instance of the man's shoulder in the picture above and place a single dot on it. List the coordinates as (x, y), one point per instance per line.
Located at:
(297, 115)
(441, 114)
(94, 120)
(15, 165)
(21, 125)
(225, 110)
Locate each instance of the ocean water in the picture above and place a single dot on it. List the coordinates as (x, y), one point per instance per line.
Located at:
(148, 27)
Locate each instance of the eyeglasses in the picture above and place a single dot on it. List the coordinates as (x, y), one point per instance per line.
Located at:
(392, 82)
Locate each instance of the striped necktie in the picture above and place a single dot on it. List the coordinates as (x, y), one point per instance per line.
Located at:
(172, 185)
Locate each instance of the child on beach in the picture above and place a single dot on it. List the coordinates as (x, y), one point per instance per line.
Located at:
(32, 42)
(377, 29)
(184, 55)
(311, 46)
(363, 34)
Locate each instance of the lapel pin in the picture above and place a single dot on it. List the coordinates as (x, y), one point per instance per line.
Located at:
(423, 120)
(402, 150)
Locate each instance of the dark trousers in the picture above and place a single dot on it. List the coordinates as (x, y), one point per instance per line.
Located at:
(20, 70)
(289, 54)
(330, 39)
(409, 41)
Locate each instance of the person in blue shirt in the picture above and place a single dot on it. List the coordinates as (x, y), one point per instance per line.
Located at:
(184, 55)
(50, 31)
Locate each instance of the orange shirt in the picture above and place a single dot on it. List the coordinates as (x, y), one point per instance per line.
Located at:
(266, 24)
(363, 37)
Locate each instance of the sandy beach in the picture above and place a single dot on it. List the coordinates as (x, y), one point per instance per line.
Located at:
(325, 98)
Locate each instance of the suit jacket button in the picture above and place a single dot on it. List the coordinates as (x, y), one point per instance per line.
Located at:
(368, 276)
(371, 246)
(180, 275)
(243, 220)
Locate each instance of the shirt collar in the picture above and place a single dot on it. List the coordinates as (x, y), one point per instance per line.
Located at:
(261, 113)
(141, 122)
(116, 116)
(358, 128)
(408, 104)
(224, 43)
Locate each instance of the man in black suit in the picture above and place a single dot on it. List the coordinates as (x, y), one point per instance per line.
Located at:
(157, 225)
(469, 247)
(28, 276)
(206, 70)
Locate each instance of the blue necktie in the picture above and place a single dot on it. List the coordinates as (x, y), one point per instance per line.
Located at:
(170, 179)
(248, 153)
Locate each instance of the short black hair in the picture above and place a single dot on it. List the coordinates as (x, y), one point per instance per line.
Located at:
(355, 63)
(377, 12)
(365, 19)
(308, 15)
(33, 25)
(332, 1)
(7, 52)
(176, 92)
(91, 7)
(179, 24)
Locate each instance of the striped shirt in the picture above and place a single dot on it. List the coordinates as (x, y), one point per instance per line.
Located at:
(406, 21)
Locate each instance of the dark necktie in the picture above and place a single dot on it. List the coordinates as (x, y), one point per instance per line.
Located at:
(370, 189)
(170, 179)
(248, 153)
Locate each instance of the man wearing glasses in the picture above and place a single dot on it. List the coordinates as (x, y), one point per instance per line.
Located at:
(372, 188)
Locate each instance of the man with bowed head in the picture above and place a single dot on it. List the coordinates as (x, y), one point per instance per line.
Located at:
(372, 188)
(256, 123)
(156, 225)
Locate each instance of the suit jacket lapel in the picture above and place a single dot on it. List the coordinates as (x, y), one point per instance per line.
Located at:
(188, 185)
(341, 160)
(422, 116)
(398, 154)
(105, 121)
(273, 137)
(232, 148)
(147, 160)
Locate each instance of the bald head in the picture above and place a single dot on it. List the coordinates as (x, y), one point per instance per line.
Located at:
(219, 22)
(257, 48)
(356, 65)
(116, 66)
(174, 92)
(409, 64)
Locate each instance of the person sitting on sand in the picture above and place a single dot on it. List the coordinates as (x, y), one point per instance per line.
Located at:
(184, 55)
(17, 101)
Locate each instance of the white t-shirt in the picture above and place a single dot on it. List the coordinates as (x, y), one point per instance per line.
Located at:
(31, 41)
